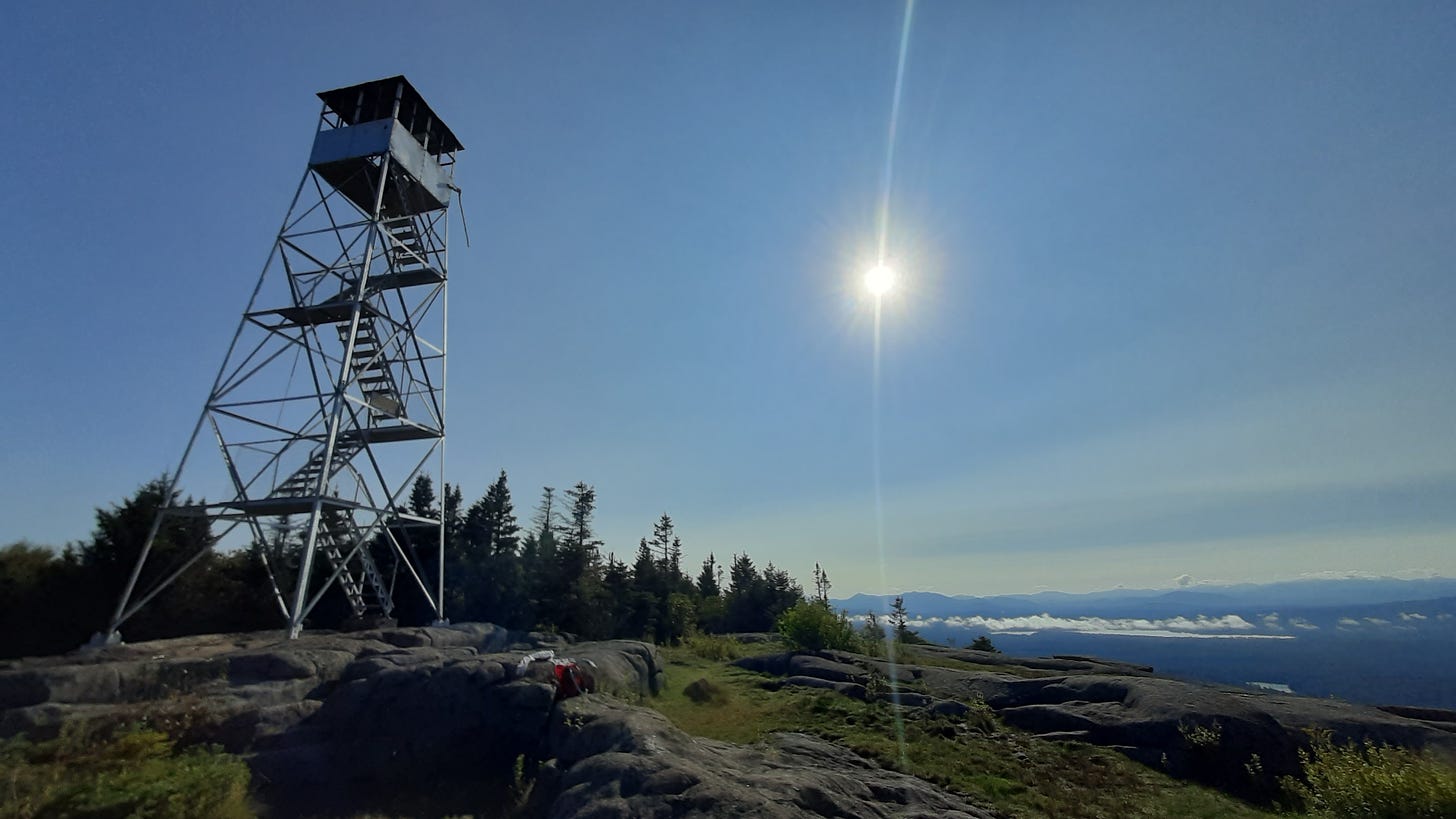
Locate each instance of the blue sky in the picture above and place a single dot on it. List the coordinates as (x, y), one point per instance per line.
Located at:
(1177, 276)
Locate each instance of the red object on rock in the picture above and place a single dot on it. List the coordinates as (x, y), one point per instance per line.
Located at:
(569, 680)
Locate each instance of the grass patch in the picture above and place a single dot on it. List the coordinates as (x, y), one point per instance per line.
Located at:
(127, 772)
(714, 647)
(1002, 768)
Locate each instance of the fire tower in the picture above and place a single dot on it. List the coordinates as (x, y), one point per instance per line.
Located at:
(331, 398)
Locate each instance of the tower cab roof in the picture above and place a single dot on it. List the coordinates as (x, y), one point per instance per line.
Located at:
(374, 100)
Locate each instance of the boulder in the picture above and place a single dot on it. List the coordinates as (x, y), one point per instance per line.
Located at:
(615, 760)
(849, 689)
(949, 708)
(1197, 731)
(333, 722)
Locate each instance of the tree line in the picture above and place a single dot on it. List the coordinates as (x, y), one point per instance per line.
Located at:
(549, 574)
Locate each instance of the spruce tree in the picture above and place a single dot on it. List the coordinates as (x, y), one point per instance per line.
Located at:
(708, 578)
(450, 514)
(422, 497)
(821, 585)
(579, 568)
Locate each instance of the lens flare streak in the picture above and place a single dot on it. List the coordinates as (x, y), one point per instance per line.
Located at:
(887, 177)
(879, 282)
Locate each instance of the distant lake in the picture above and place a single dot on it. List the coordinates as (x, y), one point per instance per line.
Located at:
(1372, 669)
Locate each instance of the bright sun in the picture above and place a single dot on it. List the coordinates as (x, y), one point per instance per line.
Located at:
(879, 280)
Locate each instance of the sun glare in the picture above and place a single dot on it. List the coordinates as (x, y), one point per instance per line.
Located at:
(879, 280)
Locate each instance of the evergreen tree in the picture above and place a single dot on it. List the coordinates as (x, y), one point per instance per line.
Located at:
(450, 515)
(712, 609)
(579, 566)
(641, 622)
(422, 497)
(662, 536)
(742, 575)
(872, 633)
(899, 618)
(547, 518)
(900, 623)
(617, 583)
(708, 578)
(487, 574)
(539, 560)
(644, 570)
(783, 591)
(983, 643)
(674, 565)
(821, 584)
(579, 533)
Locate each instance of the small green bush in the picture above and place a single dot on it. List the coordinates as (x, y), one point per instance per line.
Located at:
(714, 647)
(1372, 781)
(983, 643)
(813, 626)
(1201, 737)
(132, 772)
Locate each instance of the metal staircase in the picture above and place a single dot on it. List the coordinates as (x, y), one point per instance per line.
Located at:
(338, 535)
(302, 483)
(372, 371)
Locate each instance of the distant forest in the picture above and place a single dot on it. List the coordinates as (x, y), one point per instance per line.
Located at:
(548, 576)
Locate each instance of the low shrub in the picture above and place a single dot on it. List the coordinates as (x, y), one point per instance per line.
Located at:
(713, 647)
(813, 626)
(130, 772)
(1372, 781)
(983, 643)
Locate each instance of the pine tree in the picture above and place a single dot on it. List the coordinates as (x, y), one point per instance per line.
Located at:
(674, 563)
(617, 583)
(662, 538)
(746, 597)
(539, 561)
(872, 632)
(579, 533)
(821, 585)
(487, 573)
(579, 566)
(641, 621)
(547, 518)
(983, 643)
(422, 497)
(708, 578)
(900, 623)
(712, 608)
(644, 570)
(743, 575)
(450, 516)
(500, 519)
(783, 593)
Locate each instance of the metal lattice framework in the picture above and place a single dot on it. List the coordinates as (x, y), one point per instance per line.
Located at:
(331, 398)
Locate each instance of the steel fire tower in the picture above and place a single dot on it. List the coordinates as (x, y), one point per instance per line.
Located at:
(331, 398)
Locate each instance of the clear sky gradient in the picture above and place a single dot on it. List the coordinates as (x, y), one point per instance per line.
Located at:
(1178, 278)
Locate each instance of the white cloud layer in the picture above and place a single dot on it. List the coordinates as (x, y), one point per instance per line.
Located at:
(1229, 625)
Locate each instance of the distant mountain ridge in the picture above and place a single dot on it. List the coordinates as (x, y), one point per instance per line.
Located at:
(1210, 600)
(1373, 640)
